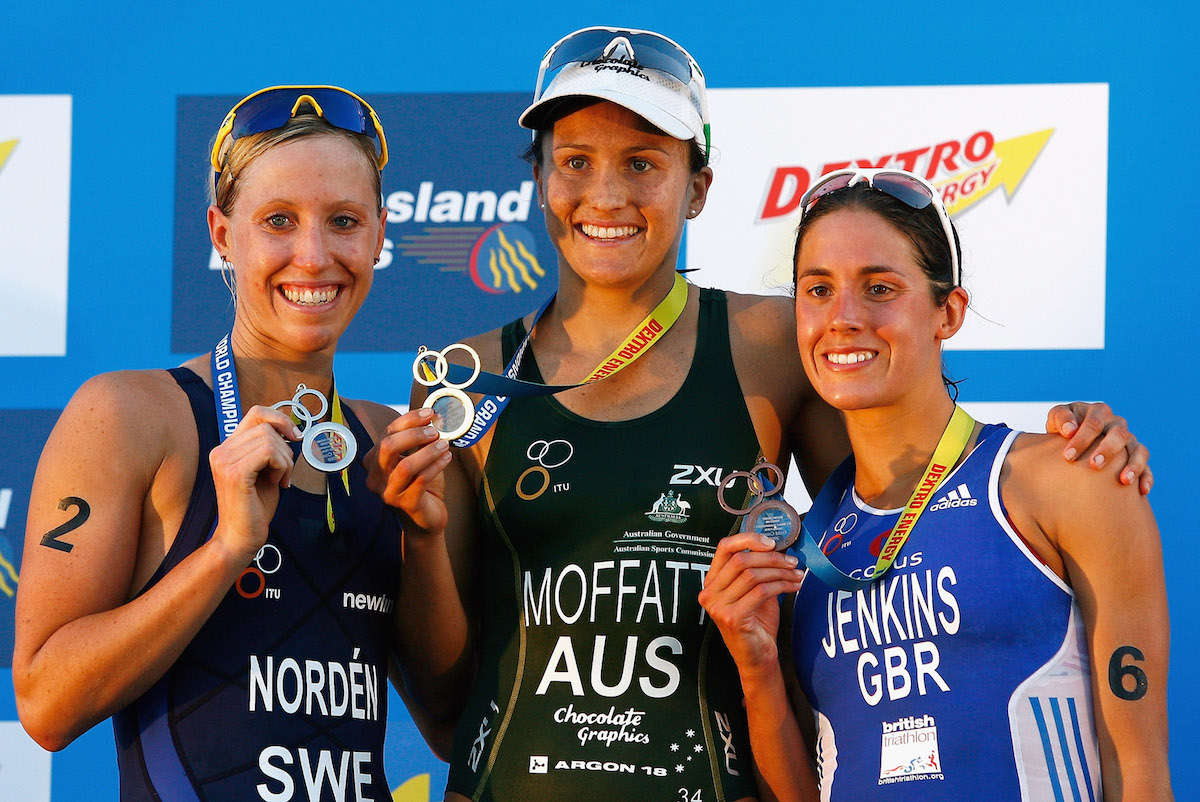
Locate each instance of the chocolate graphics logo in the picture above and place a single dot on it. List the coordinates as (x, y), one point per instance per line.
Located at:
(462, 253)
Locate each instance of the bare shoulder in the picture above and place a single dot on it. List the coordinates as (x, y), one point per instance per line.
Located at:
(1036, 460)
(762, 340)
(1068, 500)
(489, 346)
(145, 403)
(762, 320)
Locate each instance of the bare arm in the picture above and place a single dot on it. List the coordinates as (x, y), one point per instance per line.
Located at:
(1112, 556)
(106, 475)
(740, 594)
(415, 473)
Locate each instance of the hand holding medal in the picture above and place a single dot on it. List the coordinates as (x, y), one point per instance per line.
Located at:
(329, 447)
(767, 515)
(453, 411)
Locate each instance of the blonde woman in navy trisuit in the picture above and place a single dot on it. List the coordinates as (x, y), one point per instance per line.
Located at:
(233, 606)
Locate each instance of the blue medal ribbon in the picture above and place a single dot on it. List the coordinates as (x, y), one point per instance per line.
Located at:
(229, 415)
(808, 549)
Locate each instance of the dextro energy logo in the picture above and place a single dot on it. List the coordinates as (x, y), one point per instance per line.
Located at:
(477, 232)
(964, 170)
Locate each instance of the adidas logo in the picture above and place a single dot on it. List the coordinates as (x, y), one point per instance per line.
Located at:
(958, 497)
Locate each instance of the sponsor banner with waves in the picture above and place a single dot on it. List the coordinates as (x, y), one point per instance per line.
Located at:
(16, 482)
(1022, 169)
(466, 250)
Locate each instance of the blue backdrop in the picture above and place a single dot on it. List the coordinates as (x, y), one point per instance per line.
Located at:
(130, 69)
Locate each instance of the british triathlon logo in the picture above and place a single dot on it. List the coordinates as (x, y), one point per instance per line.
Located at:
(910, 751)
(971, 168)
(669, 508)
(478, 233)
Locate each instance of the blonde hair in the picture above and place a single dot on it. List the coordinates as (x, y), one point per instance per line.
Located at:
(243, 151)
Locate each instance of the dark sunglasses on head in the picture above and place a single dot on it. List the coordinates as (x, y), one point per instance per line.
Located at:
(271, 108)
(651, 50)
(900, 184)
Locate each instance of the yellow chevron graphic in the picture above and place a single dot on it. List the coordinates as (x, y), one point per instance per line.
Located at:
(1010, 163)
(6, 149)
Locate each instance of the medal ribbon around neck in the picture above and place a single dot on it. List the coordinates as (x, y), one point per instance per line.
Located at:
(498, 389)
(229, 415)
(949, 449)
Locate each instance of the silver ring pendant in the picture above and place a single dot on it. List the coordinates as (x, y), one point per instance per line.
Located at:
(329, 447)
(453, 412)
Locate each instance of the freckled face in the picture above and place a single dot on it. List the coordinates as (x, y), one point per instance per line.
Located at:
(302, 238)
(868, 329)
(617, 195)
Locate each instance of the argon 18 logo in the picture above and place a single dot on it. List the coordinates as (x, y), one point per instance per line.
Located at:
(972, 168)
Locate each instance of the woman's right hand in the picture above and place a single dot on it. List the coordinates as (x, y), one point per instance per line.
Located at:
(405, 469)
(741, 593)
(248, 470)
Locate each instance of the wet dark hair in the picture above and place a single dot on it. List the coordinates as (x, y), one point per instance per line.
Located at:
(922, 227)
(567, 106)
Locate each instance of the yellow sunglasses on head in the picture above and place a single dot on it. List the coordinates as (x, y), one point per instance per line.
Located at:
(271, 108)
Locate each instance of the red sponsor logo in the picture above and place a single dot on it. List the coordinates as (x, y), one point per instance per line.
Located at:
(972, 167)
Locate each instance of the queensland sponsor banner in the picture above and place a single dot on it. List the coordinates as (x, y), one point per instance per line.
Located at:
(16, 481)
(466, 249)
(35, 188)
(1022, 168)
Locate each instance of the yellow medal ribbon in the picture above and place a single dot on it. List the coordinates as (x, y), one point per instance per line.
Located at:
(949, 449)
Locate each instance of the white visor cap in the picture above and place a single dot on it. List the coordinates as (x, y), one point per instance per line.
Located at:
(659, 98)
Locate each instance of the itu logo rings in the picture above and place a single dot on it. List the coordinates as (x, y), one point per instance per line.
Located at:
(268, 560)
(548, 454)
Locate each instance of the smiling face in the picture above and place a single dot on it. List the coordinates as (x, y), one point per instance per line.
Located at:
(868, 328)
(302, 238)
(617, 193)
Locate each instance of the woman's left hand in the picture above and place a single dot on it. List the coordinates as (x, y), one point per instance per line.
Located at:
(1087, 425)
(405, 469)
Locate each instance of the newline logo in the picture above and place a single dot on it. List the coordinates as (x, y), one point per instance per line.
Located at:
(361, 601)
